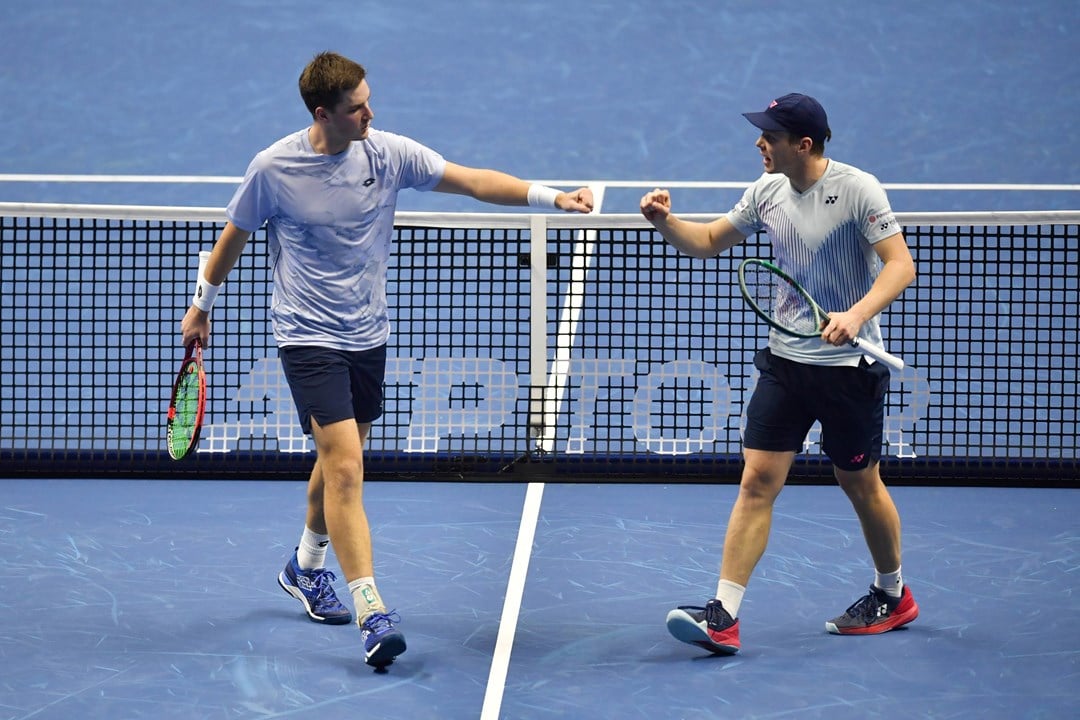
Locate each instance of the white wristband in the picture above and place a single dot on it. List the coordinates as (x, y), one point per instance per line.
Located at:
(205, 293)
(542, 196)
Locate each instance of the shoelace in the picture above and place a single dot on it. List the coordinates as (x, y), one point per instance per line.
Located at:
(866, 607)
(382, 621)
(716, 615)
(320, 580)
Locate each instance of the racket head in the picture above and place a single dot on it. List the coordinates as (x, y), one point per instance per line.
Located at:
(187, 404)
(779, 300)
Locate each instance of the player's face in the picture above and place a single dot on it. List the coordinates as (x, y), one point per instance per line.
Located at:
(779, 152)
(352, 116)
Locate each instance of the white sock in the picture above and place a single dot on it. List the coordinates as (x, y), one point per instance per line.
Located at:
(365, 598)
(311, 552)
(892, 583)
(730, 594)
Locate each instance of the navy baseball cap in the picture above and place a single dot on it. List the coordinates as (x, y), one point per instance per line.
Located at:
(800, 115)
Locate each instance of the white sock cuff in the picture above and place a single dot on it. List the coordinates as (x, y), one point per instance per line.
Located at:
(730, 594)
(311, 552)
(892, 583)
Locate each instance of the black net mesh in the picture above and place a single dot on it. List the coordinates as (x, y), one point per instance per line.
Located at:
(646, 369)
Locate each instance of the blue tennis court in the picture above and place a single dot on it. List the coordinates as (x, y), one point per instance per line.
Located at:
(133, 598)
(926, 93)
(158, 599)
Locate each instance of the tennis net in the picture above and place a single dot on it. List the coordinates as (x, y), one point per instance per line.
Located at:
(572, 346)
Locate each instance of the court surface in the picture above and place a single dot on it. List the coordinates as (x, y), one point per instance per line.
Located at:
(925, 92)
(127, 599)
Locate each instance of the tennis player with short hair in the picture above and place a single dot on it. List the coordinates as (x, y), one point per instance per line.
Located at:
(327, 194)
(833, 230)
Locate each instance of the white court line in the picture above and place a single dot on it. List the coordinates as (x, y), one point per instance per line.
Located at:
(515, 589)
(530, 513)
(705, 184)
(178, 179)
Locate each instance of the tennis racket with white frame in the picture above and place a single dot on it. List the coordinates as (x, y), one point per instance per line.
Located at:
(785, 305)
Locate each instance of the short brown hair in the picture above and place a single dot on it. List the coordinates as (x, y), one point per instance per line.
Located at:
(326, 78)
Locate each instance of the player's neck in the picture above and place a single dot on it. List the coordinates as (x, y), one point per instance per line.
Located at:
(808, 173)
(324, 145)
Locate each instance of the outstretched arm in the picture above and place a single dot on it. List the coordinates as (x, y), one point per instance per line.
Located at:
(500, 188)
(701, 240)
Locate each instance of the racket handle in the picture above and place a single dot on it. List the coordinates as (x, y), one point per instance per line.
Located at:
(878, 353)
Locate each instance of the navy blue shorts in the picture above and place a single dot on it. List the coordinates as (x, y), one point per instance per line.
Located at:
(849, 402)
(333, 385)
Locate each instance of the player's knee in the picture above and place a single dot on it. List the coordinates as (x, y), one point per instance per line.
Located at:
(342, 473)
(761, 484)
(859, 484)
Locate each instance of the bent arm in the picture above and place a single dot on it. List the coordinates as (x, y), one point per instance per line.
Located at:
(697, 239)
(897, 272)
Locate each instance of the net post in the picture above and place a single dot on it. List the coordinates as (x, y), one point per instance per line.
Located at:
(537, 325)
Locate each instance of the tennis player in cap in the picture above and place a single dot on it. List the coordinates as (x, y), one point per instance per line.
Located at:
(327, 195)
(833, 230)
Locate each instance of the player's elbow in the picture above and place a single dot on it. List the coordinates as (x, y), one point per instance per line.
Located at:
(901, 270)
(722, 236)
(909, 272)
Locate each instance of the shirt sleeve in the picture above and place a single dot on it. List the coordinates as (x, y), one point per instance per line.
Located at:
(744, 217)
(421, 167)
(254, 201)
(873, 212)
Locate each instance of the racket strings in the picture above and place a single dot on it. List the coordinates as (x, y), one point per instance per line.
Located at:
(783, 302)
(186, 403)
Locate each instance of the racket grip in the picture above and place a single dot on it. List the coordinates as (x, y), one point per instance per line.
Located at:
(878, 353)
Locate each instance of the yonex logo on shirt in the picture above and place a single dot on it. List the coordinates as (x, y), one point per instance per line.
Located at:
(831, 199)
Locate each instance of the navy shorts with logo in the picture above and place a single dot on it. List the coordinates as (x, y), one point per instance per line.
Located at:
(848, 401)
(333, 385)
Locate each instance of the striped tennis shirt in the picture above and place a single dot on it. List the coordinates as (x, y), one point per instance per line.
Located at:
(824, 239)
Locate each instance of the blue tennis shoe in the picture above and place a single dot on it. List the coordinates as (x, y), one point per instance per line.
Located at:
(382, 641)
(314, 591)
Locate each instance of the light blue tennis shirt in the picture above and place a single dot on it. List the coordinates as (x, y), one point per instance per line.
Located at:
(330, 224)
(824, 239)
